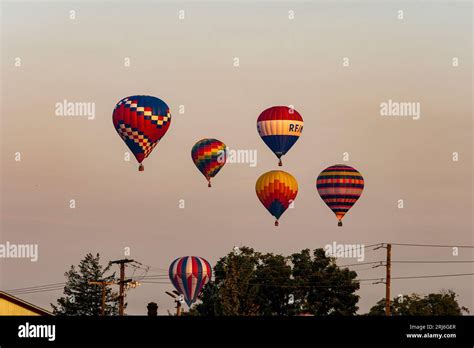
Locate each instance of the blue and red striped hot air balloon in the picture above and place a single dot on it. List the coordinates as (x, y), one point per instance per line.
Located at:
(280, 127)
(141, 121)
(189, 274)
(340, 186)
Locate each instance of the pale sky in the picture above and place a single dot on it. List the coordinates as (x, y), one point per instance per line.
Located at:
(190, 62)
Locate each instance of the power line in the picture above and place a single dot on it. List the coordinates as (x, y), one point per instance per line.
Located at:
(37, 286)
(360, 264)
(436, 276)
(151, 267)
(307, 284)
(34, 291)
(433, 245)
(316, 284)
(163, 273)
(294, 285)
(365, 269)
(434, 261)
(378, 263)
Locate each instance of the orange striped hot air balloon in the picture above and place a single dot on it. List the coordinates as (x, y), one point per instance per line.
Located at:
(276, 190)
(340, 186)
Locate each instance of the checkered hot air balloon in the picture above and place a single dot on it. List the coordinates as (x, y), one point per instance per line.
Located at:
(209, 156)
(340, 186)
(189, 274)
(141, 121)
(276, 190)
(280, 127)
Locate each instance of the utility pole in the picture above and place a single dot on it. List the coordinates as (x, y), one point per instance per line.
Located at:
(178, 298)
(387, 279)
(122, 283)
(178, 308)
(103, 284)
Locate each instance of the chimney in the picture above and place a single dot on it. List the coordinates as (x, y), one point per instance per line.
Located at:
(152, 309)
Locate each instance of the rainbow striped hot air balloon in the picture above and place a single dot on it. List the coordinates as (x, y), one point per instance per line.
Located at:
(280, 127)
(340, 186)
(189, 274)
(209, 156)
(276, 190)
(141, 121)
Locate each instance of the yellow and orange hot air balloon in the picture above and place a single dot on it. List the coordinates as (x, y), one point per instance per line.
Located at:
(276, 190)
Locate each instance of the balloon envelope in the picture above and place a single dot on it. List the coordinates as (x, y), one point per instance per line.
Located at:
(141, 121)
(209, 156)
(280, 127)
(276, 190)
(189, 274)
(340, 186)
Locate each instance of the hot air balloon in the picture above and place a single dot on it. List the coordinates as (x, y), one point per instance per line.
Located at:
(276, 190)
(340, 186)
(209, 156)
(141, 121)
(280, 127)
(189, 274)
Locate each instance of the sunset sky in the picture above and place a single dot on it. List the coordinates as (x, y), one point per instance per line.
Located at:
(190, 62)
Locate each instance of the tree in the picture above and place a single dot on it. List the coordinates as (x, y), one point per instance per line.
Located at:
(275, 286)
(210, 305)
(82, 298)
(234, 274)
(323, 288)
(443, 303)
(250, 283)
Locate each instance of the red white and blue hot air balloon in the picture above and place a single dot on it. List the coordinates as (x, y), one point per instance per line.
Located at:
(280, 127)
(189, 274)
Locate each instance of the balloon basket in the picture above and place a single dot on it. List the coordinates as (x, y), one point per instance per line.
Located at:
(276, 223)
(141, 168)
(339, 223)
